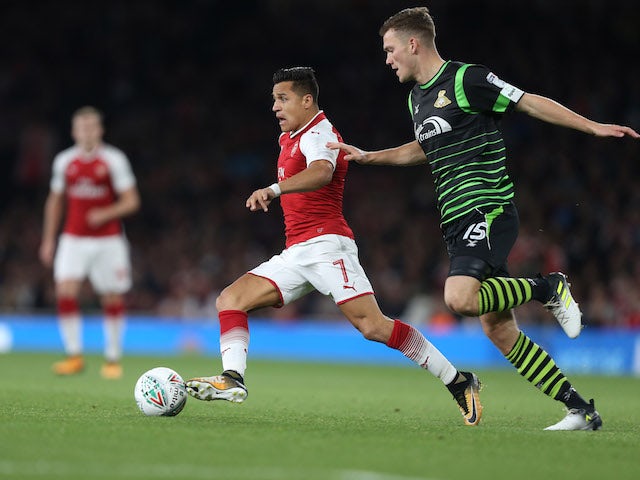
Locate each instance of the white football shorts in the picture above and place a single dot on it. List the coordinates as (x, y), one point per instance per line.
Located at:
(104, 260)
(328, 264)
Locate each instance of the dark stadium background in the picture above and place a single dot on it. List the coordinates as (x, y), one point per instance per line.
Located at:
(185, 87)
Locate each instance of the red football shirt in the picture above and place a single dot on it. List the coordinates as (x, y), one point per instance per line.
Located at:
(89, 181)
(311, 214)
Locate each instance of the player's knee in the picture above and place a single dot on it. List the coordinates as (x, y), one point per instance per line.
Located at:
(370, 330)
(114, 308)
(231, 299)
(67, 289)
(462, 303)
(226, 301)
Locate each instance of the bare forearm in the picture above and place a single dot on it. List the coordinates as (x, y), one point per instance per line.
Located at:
(117, 211)
(125, 208)
(404, 155)
(53, 210)
(550, 111)
(317, 175)
(127, 204)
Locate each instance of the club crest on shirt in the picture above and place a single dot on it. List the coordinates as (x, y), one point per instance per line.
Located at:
(294, 149)
(442, 100)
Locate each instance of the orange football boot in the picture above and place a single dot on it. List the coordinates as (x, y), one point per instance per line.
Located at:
(71, 365)
(111, 371)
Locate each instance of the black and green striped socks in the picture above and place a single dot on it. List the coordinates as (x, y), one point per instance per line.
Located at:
(534, 364)
(498, 294)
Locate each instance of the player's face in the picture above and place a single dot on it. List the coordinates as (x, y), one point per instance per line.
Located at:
(87, 131)
(292, 110)
(399, 55)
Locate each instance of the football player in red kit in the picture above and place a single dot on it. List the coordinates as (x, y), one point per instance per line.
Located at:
(94, 185)
(320, 254)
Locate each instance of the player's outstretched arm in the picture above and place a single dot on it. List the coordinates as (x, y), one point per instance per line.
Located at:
(550, 111)
(405, 155)
(353, 154)
(612, 130)
(318, 174)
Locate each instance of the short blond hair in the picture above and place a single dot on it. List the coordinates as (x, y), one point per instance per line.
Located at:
(87, 110)
(415, 21)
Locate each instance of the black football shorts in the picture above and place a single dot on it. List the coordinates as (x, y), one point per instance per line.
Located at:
(479, 243)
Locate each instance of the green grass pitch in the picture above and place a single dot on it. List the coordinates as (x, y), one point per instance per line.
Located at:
(306, 421)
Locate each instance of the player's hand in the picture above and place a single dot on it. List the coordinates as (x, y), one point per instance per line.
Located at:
(47, 249)
(352, 153)
(260, 199)
(97, 217)
(610, 130)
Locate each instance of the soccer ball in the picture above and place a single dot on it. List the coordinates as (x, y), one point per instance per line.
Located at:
(160, 392)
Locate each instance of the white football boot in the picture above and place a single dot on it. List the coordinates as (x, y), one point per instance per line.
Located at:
(563, 306)
(579, 419)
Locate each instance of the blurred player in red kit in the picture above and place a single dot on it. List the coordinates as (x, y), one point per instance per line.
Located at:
(95, 183)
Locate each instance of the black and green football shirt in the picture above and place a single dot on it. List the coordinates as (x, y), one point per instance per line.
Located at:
(455, 118)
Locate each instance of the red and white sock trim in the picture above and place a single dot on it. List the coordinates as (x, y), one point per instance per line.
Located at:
(234, 339)
(416, 347)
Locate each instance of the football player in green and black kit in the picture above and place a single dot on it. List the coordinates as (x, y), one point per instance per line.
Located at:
(455, 107)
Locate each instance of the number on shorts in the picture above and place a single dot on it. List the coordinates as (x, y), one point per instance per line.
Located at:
(344, 270)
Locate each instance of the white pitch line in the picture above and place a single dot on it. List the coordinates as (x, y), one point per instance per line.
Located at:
(49, 469)
(364, 475)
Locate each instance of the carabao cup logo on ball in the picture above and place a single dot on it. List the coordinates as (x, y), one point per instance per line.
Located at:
(160, 392)
(153, 394)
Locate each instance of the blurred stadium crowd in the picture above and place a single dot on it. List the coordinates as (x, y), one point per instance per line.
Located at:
(185, 87)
